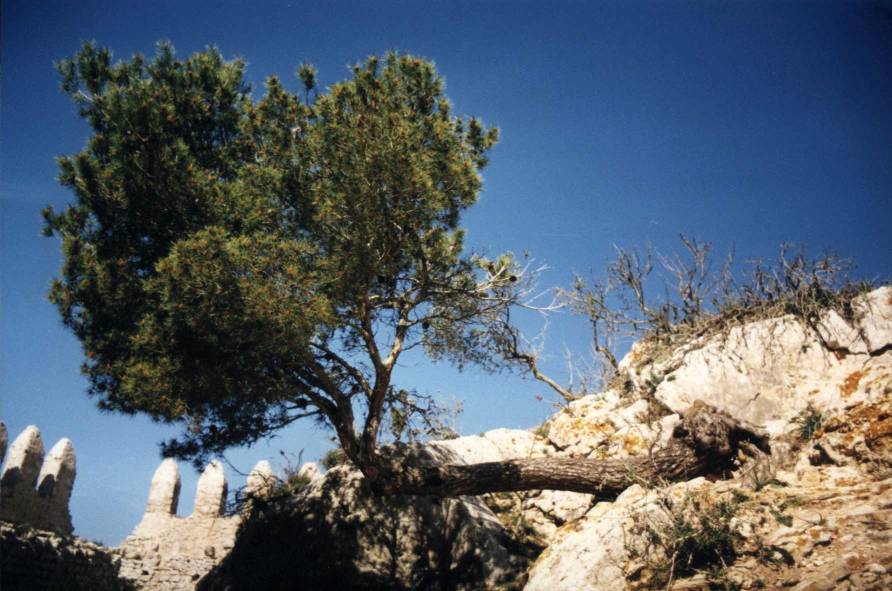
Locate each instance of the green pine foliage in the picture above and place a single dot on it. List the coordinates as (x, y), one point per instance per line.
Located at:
(234, 264)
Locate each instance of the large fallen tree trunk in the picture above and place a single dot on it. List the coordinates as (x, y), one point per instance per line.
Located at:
(705, 443)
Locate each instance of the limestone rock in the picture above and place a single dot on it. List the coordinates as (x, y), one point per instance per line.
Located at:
(517, 443)
(336, 534)
(876, 307)
(818, 527)
(769, 372)
(610, 425)
(472, 449)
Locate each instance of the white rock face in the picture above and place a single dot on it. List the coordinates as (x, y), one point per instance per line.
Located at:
(610, 425)
(472, 449)
(516, 443)
(814, 527)
(590, 555)
(877, 307)
(768, 372)
(560, 506)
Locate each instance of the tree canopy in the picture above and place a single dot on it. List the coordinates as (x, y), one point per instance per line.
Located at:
(234, 264)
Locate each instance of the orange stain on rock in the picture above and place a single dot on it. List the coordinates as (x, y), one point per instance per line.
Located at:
(851, 383)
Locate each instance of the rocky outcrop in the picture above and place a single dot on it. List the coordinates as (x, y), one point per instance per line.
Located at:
(769, 372)
(827, 528)
(817, 515)
(337, 534)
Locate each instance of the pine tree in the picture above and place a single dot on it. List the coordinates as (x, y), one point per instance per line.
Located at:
(234, 265)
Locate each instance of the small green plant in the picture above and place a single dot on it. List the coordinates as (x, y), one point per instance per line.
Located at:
(628, 384)
(781, 517)
(689, 535)
(542, 430)
(292, 480)
(809, 422)
(508, 507)
(759, 473)
(653, 382)
(334, 457)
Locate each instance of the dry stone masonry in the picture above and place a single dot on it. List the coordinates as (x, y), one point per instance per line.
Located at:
(38, 560)
(38, 550)
(34, 488)
(166, 552)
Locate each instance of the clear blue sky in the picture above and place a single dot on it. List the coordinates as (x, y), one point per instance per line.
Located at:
(745, 124)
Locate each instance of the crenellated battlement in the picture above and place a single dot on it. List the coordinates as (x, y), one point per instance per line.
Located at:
(166, 551)
(35, 488)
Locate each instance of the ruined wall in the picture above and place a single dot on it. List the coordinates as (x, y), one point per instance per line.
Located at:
(164, 553)
(39, 551)
(35, 488)
(170, 553)
(35, 560)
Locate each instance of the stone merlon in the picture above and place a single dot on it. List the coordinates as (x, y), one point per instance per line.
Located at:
(34, 491)
(164, 492)
(210, 494)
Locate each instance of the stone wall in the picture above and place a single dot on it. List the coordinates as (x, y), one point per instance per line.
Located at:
(34, 560)
(170, 553)
(164, 553)
(34, 488)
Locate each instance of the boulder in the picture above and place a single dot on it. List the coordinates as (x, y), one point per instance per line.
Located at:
(611, 425)
(337, 534)
(771, 371)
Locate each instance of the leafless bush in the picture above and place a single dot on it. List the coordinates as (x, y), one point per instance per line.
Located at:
(696, 299)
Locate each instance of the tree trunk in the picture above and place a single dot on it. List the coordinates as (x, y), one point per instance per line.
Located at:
(705, 443)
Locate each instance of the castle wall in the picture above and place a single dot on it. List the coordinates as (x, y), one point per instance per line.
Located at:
(35, 488)
(165, 552)
(35, 560)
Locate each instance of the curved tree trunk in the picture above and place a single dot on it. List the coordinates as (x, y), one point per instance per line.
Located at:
(706, 442)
